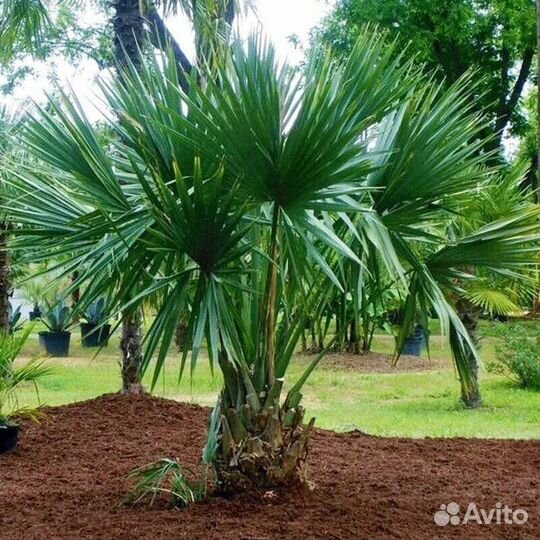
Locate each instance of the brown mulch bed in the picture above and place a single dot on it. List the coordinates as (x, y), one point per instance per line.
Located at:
(379, 363)
(69, 476)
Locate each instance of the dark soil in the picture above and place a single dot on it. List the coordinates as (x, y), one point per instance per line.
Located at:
(68, 479)
(372, 362)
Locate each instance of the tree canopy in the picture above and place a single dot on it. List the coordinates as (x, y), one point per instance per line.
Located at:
(494, 38)
(34, 31)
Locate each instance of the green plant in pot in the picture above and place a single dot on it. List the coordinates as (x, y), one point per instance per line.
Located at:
(32, 291)
(56, 339)
(415, 341)
(14, 319)
(94, 331)
(12, 377)
(416, 337)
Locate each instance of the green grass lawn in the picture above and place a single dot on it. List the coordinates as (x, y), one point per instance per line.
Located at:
(416, 404)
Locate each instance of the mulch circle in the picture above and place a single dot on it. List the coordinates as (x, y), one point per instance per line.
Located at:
(68, 478)
(372, 362)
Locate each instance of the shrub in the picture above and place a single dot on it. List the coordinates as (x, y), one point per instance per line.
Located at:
(518, 356)
(166, 478)
(13, 377)
(498, 329)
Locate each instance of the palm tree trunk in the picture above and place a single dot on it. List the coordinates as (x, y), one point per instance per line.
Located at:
(469, 316)
(261, 444)
(128, 27)
(354, 343)
(76, 294)
(180, 336)
(5, 281)
(132, 356)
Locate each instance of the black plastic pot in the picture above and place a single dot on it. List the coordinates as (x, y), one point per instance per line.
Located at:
(8, 438)
(34, 314)
(55, 343)
(92, 336)
(414, 344)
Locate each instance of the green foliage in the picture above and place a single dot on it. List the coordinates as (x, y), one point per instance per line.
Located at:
(58, 317)
(13, 377)
(51, 28)
(518, 357)
(40, 284)
(33, 291)
(23, 24)
(450, 38)
(165, 478)
(505, 194)
(491, 300)
(495, 329)
(95, 313)
(14, 316)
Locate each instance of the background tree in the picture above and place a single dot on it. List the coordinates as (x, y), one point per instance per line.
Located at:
(129, 44)
(495, 38)
(34, 31)
(7, 124)
(527, 153)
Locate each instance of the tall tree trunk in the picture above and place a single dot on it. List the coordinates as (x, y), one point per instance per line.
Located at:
(508, 105)
(354, 343)
(469, 316)
(5, 278)
(161, 37)
(76, 294)
(131, 346)
(128, 25)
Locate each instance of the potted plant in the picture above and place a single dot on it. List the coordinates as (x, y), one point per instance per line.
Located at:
(35, 313)
(56, 339)
(14, 319)
(415, 341)
(94, 332)
(11, 378)
(33, 293)
(414, 326)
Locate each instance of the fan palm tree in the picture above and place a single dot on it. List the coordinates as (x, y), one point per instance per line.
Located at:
(487, 289)
(22, 24)
(225, 203)
(408, 230)
(439, 264)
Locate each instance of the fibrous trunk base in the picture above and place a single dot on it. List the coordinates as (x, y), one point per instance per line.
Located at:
(263, 450)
